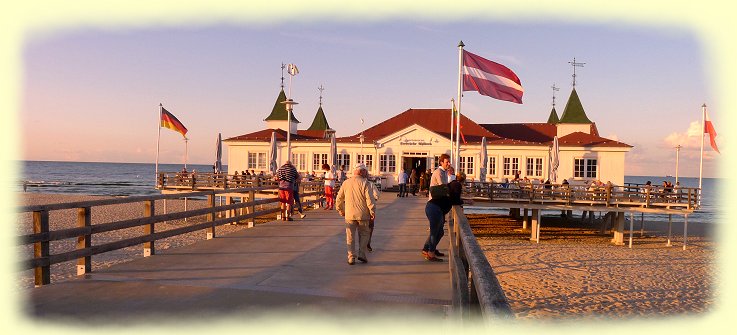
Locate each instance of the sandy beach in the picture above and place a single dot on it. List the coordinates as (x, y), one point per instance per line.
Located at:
(574, 272)
(67, 219)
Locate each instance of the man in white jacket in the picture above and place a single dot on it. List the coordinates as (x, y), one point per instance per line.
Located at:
(356, 203)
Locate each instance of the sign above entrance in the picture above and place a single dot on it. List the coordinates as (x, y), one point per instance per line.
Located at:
(413, 141)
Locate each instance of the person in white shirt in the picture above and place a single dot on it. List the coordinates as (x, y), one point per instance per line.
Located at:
(329, 178)
(402, 184)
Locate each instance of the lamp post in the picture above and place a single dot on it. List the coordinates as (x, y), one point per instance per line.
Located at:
(678, 151)
(290, 106)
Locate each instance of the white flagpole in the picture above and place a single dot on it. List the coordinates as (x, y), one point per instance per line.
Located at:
(158, 139)
(701, 157)
(452, 117)
(185, 151)
(460, 94)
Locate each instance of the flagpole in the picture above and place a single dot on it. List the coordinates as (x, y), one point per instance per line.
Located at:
(185, 151)
(158, 139)
(452, 117)
(460, 94)
(701, 157)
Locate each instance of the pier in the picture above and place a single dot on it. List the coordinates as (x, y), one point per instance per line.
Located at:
(301, 265)
(277, 266)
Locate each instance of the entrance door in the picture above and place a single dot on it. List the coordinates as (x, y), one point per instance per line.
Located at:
(417, 163)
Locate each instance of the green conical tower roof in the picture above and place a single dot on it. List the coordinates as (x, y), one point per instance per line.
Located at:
(553, 118)
(280, 110)
(574, 112)
(320, 122)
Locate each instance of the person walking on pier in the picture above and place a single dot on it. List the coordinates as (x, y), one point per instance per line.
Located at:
(402, 184)
(356, 203)
(297, 201)
(375, 193)
(329, 178)
(439, 198)
(413, 179)
(286, 175)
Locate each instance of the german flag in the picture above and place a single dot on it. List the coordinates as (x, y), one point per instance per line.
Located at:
(168, 120)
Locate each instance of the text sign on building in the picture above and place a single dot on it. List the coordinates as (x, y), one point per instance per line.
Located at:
(412, 141)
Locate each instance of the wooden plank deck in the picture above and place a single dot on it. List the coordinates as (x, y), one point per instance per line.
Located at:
(271, 268)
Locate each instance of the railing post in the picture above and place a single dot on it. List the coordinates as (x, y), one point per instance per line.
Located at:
(251, 209)
(149, 210)
(211, 215)
(84, 220)
(42, 274)
(194, 187)
(608, 195)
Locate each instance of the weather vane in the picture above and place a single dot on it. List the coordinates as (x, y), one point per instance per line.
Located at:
(574, 64)
(321, 89)
(554, 89)
(283, 66)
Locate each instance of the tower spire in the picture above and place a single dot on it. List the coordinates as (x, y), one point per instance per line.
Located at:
(575, 65)
(554, 90)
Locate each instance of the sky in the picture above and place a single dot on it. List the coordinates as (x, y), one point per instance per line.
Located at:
(92, 93)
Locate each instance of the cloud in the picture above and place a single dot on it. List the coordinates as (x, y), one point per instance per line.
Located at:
(688, 139)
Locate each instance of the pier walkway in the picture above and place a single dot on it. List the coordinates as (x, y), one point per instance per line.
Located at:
(299, 265)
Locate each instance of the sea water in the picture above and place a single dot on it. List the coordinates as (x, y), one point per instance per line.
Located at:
(131, 179)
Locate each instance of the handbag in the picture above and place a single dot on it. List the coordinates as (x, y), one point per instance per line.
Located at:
(285, 185)
(439, 191)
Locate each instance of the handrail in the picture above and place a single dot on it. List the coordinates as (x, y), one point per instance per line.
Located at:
(476, 290)
(42, 236)
(609, 196)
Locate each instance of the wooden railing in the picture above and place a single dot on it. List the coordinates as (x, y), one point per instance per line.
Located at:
(476, 290)
(209, 180)
(85, 230)
(609, 196)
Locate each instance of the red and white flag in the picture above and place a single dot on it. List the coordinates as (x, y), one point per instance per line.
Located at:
(709, 129)
(490, 79)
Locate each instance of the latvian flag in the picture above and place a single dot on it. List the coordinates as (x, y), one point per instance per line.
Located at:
(490, 79)
(709, 129)
(168, 120)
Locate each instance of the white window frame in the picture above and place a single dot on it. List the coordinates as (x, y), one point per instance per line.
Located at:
(343, 159)
(491, 171)
(466, 164)
(585, 168)
(509, 168)
(299, 160)
(318, 159)
(534, 167)
(256, 160)
(387, 163)
(368, 161)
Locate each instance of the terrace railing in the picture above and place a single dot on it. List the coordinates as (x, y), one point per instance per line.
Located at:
(610, 196)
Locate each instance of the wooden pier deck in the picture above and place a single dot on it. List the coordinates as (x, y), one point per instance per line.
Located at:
(271, 268)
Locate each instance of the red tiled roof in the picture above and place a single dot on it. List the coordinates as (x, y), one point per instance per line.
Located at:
(583, 139)
(438, 121)
(281, 135)
(435, 120)
(527, 132)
